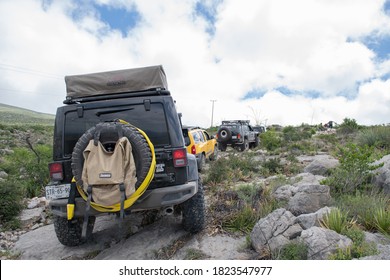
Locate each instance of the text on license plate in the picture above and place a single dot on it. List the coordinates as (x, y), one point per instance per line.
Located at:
(57, 191)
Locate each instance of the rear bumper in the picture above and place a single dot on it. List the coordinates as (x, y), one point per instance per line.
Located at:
(151, 199)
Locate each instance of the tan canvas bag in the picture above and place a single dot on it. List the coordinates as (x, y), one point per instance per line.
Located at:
(104, 171)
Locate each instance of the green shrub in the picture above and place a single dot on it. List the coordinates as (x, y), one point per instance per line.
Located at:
(231, 169)
(249, 194)
(354, 172)
(293, 251)
(28, 169)
(270, 140)
(241, 221)
(10, 203)
(272, 166)
(378, 137)
(294, 134)
(348, 126)
(360, 248)
(362, 207)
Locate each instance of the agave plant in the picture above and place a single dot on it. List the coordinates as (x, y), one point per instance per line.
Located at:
(337, 220)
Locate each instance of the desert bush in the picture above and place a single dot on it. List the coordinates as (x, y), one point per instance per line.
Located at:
(359, 248)
(270, 140)
(241, 221)
(362, 207)
(354, 172)
(294, 134)
(272, 166)
(378, 137)
(292, 251)
(10, 204)
(251, 203)
(232, 169)
(249, 194)
(348, 126)
(27, 169)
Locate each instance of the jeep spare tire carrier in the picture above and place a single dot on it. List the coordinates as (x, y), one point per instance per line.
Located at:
(142, 150)
(224, 134)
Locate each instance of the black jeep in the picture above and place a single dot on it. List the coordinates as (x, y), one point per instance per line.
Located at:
(140, 98)
(238, 134)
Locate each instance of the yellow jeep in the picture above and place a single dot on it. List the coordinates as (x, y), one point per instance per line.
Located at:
(201, 144)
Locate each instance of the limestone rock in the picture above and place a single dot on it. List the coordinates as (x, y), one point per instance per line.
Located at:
(321, 165)
(322, 242)
(309, 199)
(274, 231)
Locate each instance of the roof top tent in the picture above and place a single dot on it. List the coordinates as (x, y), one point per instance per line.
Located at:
(115, 82)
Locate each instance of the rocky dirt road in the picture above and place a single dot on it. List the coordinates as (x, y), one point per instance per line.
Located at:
(163, 239)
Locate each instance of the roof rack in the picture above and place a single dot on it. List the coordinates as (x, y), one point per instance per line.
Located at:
(236, 122)
(149, 92)
(191, 127)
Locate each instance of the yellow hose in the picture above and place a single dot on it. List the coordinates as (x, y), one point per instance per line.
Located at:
(141, 189)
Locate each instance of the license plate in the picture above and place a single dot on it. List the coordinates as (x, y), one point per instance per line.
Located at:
(57, 191)
(234, 137)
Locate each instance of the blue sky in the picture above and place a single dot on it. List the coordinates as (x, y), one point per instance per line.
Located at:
(119, 18)
(287, 62)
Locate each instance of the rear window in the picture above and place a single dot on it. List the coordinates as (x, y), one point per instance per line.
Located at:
(152, 122)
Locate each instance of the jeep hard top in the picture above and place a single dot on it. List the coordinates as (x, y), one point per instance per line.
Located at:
(131, 100)
(238, 134)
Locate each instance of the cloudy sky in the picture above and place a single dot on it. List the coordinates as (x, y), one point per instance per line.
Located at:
(271, 61)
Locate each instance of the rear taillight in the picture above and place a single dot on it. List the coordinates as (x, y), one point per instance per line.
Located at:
(238, 136)
(179, 158)
(193, 150)
(56, 171)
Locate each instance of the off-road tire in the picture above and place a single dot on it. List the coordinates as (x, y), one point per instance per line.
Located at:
(244, 146)
(193, 212)
(222, 147)
(69, 232)
(109, 135)
(214, 156)
(257, 142)
(224, 134)
(201, 162)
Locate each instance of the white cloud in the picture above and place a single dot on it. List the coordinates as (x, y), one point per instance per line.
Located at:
(303, 45)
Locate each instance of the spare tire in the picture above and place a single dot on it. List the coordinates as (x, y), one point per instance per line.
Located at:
(224, 134)
(109, 133)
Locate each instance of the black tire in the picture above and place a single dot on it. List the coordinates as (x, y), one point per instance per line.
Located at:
(201, 162)
(245, 145)
(69, 232)
(193, 212)
(257, 142)
(214, 156)
(108, 136)
(222, 147)
(224, 134)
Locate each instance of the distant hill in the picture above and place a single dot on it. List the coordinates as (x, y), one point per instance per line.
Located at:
(16, 115)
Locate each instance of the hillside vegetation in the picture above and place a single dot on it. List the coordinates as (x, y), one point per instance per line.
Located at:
(26, 139)
(11, 115)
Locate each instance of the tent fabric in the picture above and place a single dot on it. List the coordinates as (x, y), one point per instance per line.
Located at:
(127, 80)
(104, 171)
